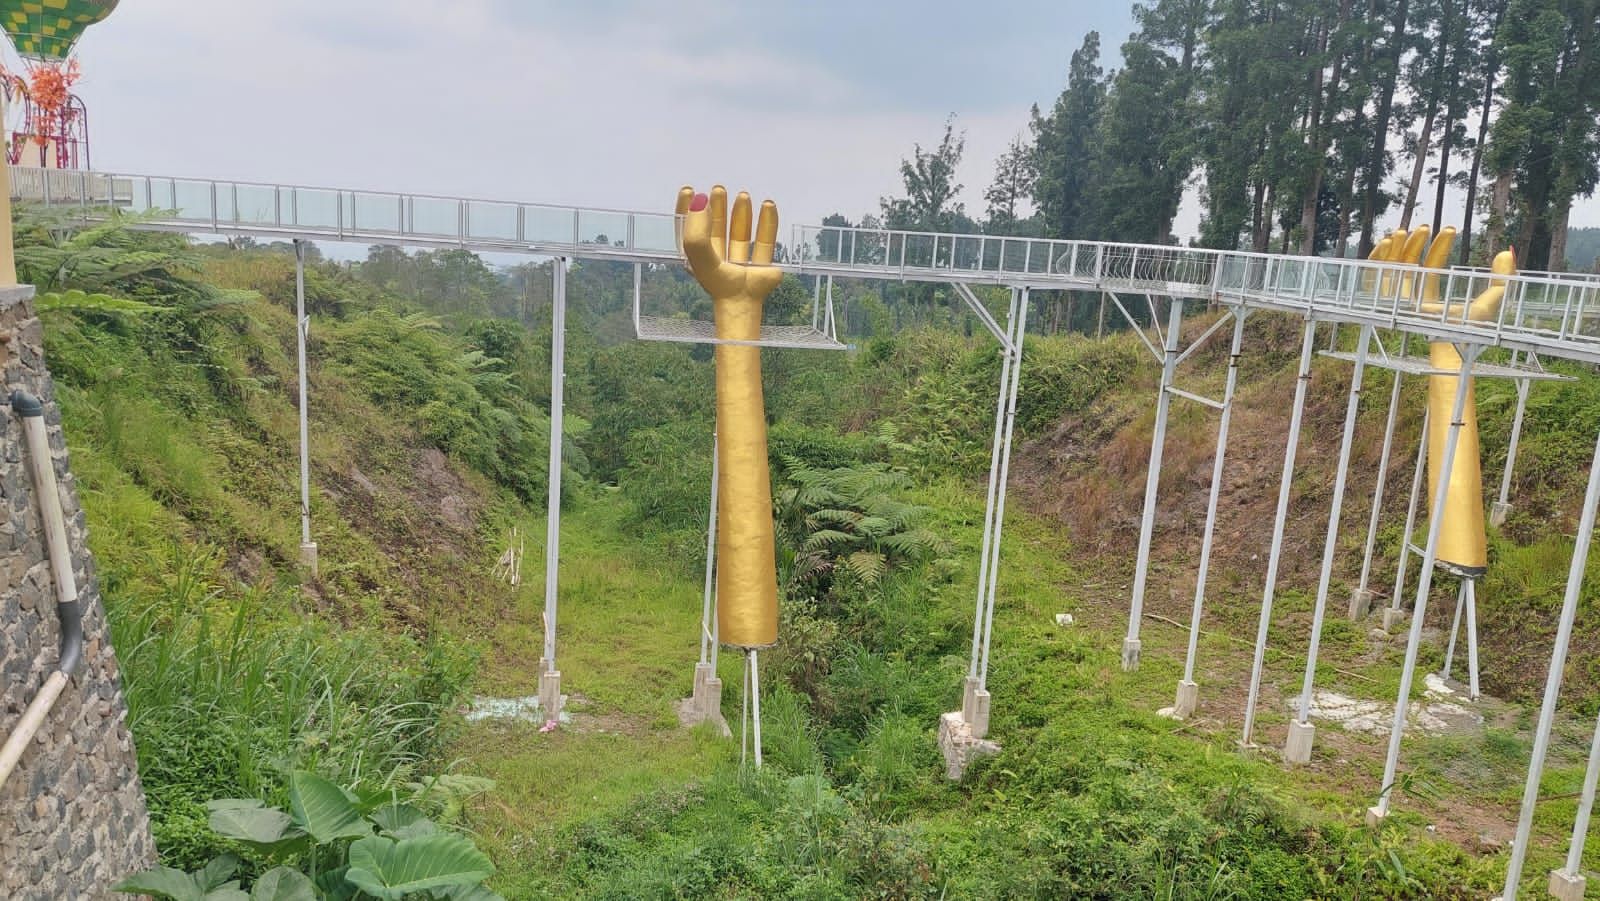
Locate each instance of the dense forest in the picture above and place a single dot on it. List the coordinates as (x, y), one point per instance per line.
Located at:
(1304, 123)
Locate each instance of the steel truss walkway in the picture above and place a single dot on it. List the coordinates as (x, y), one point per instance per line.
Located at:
(1542, 316)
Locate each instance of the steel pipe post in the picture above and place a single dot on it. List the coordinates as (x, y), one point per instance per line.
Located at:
(1147, 524)
(1275, 555)
(302, 330)
(974, 706)
(550, 675)
(1502, 505)
(1552, 681)
(1395, 611)
(1301, 732)
(1419, 607)
(1361, 599)
(1570, 878)
(1019, 330)
(1188, 689)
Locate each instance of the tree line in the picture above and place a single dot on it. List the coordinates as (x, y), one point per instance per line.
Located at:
(1302, 123)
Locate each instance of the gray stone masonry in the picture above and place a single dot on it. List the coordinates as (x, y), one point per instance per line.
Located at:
(72, 816)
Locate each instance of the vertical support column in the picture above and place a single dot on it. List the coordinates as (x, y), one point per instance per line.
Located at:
(1502, 505)
(1395, 612)
(1361, 598)
(980, 726)
(1152, 482)
(1552, 680)
(302, 328)
(1471, 592)
(1188, 689)
(705, 700)
(1419, 607)
(1568, 883)
(1302, 733)
(550, 698)
(974, 699)
(1275, 554)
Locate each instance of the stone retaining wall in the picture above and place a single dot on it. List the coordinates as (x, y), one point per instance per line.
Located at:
(72, 816)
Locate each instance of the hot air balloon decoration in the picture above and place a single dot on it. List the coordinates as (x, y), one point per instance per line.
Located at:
(54, 127)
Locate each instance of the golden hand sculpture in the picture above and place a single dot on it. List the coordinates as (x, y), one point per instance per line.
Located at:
(1462, 543)
(738, 274)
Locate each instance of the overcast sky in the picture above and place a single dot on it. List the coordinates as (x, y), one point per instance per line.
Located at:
(605, 103)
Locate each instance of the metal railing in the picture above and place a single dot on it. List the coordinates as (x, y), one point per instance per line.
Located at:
(1548, 313)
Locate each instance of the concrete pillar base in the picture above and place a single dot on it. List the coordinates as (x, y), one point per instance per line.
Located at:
(1360, 603)
(975, 712)
(1567, 887)
(1497, 516)
(1188, 699)
(959, 745)
(1393, 617)
(1376, 816)
(1130, 654)
(308, 558)
(550, 698)
(705, 703)
(1301, 737)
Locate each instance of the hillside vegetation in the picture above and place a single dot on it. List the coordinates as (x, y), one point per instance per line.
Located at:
(429, 386)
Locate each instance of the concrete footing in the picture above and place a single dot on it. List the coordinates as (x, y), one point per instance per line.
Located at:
(959, 745)
(975, 708)
(551, 700)
(1393, 617)
(1376, 815)
(1301, 738)
(1188, 699)
(1130, 654)
(1565, 886)
(705, 703)
(1497, 518)
(308, 558)
(1361, 603)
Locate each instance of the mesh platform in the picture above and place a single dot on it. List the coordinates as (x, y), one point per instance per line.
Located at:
(698, 331)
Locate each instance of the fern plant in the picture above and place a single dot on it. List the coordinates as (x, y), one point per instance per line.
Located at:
(847, 520)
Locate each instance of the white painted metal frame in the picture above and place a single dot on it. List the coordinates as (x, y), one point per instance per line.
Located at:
(302, 330)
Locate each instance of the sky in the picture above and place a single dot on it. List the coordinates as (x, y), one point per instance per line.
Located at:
(605, 103)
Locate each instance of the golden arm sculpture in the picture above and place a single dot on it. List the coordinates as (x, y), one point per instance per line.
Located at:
(1462, 541)
(738, 274)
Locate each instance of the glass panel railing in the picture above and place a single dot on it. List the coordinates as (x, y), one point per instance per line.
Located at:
(313, 207)
(602, 228)
(192, 200)
(255, 204)
(433, 217)
(656, 232)
(547, 225)
(375, 213)
(492, 221)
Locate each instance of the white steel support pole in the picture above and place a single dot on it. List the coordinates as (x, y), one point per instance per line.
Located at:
(1571, 876)
(1419, 607)
(705, 701)
(1188, 689)
(1502, 505)
(1301, 732)
(550, 677)
(1361, 599)
(1019, 329)
(302, 329)
(974, 699)
(1152, 482)
(1275, 554)
(1396, 611)
(1552, 680)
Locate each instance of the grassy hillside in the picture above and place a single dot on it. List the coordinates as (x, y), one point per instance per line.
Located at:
(428, 447)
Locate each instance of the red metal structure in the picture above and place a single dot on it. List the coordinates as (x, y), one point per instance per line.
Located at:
(49, 135)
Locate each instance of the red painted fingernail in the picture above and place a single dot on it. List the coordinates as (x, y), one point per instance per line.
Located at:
(698, 203)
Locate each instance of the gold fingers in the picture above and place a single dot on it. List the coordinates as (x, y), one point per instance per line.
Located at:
(719, 220)
(766, 234)
(739, 230)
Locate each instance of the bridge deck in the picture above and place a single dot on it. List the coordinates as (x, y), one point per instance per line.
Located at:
(1554, 315)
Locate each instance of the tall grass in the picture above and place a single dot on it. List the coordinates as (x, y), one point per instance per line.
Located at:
(226, 702)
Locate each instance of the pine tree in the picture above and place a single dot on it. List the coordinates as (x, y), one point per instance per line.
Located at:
(1065, 147)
